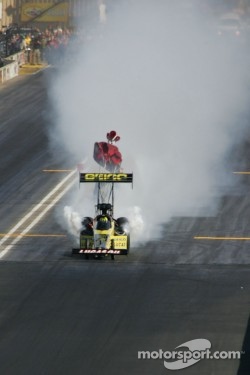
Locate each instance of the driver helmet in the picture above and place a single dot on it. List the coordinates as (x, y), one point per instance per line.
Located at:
(103, 223)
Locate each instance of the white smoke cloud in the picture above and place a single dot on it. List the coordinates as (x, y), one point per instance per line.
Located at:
(172, 90)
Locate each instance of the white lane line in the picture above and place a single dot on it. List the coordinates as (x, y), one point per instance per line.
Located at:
(39, 216)
(34, 209)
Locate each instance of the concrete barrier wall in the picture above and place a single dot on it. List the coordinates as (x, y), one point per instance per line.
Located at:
(20, 57)
(10, 70)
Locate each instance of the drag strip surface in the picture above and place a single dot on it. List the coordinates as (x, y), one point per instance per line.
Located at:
(92, 318)
(64, 315)
(36, 214)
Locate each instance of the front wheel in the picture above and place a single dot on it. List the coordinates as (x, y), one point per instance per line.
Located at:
(87, 226)
(123, 229)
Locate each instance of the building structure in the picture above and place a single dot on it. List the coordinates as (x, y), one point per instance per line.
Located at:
(40, 13)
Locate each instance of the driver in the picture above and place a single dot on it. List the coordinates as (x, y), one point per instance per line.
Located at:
(103, 222)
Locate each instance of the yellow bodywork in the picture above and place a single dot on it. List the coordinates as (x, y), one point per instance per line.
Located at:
(105, 239)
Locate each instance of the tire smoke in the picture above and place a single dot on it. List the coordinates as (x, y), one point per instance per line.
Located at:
(175, 93)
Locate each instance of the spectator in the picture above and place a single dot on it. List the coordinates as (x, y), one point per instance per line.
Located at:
(35, 50)
(26, 42)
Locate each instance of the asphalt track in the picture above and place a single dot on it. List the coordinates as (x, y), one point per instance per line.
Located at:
(64, 315)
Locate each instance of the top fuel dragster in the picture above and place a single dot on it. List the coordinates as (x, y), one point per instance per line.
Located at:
(104, 235)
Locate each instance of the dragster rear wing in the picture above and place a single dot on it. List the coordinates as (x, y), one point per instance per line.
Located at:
(106, 177)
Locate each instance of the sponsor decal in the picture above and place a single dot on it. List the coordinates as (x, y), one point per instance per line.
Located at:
(45, 12)
(100, 251)
(32, 12)
(105, 176)
(120, 242)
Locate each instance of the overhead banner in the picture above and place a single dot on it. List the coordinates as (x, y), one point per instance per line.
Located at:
(45, 12)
